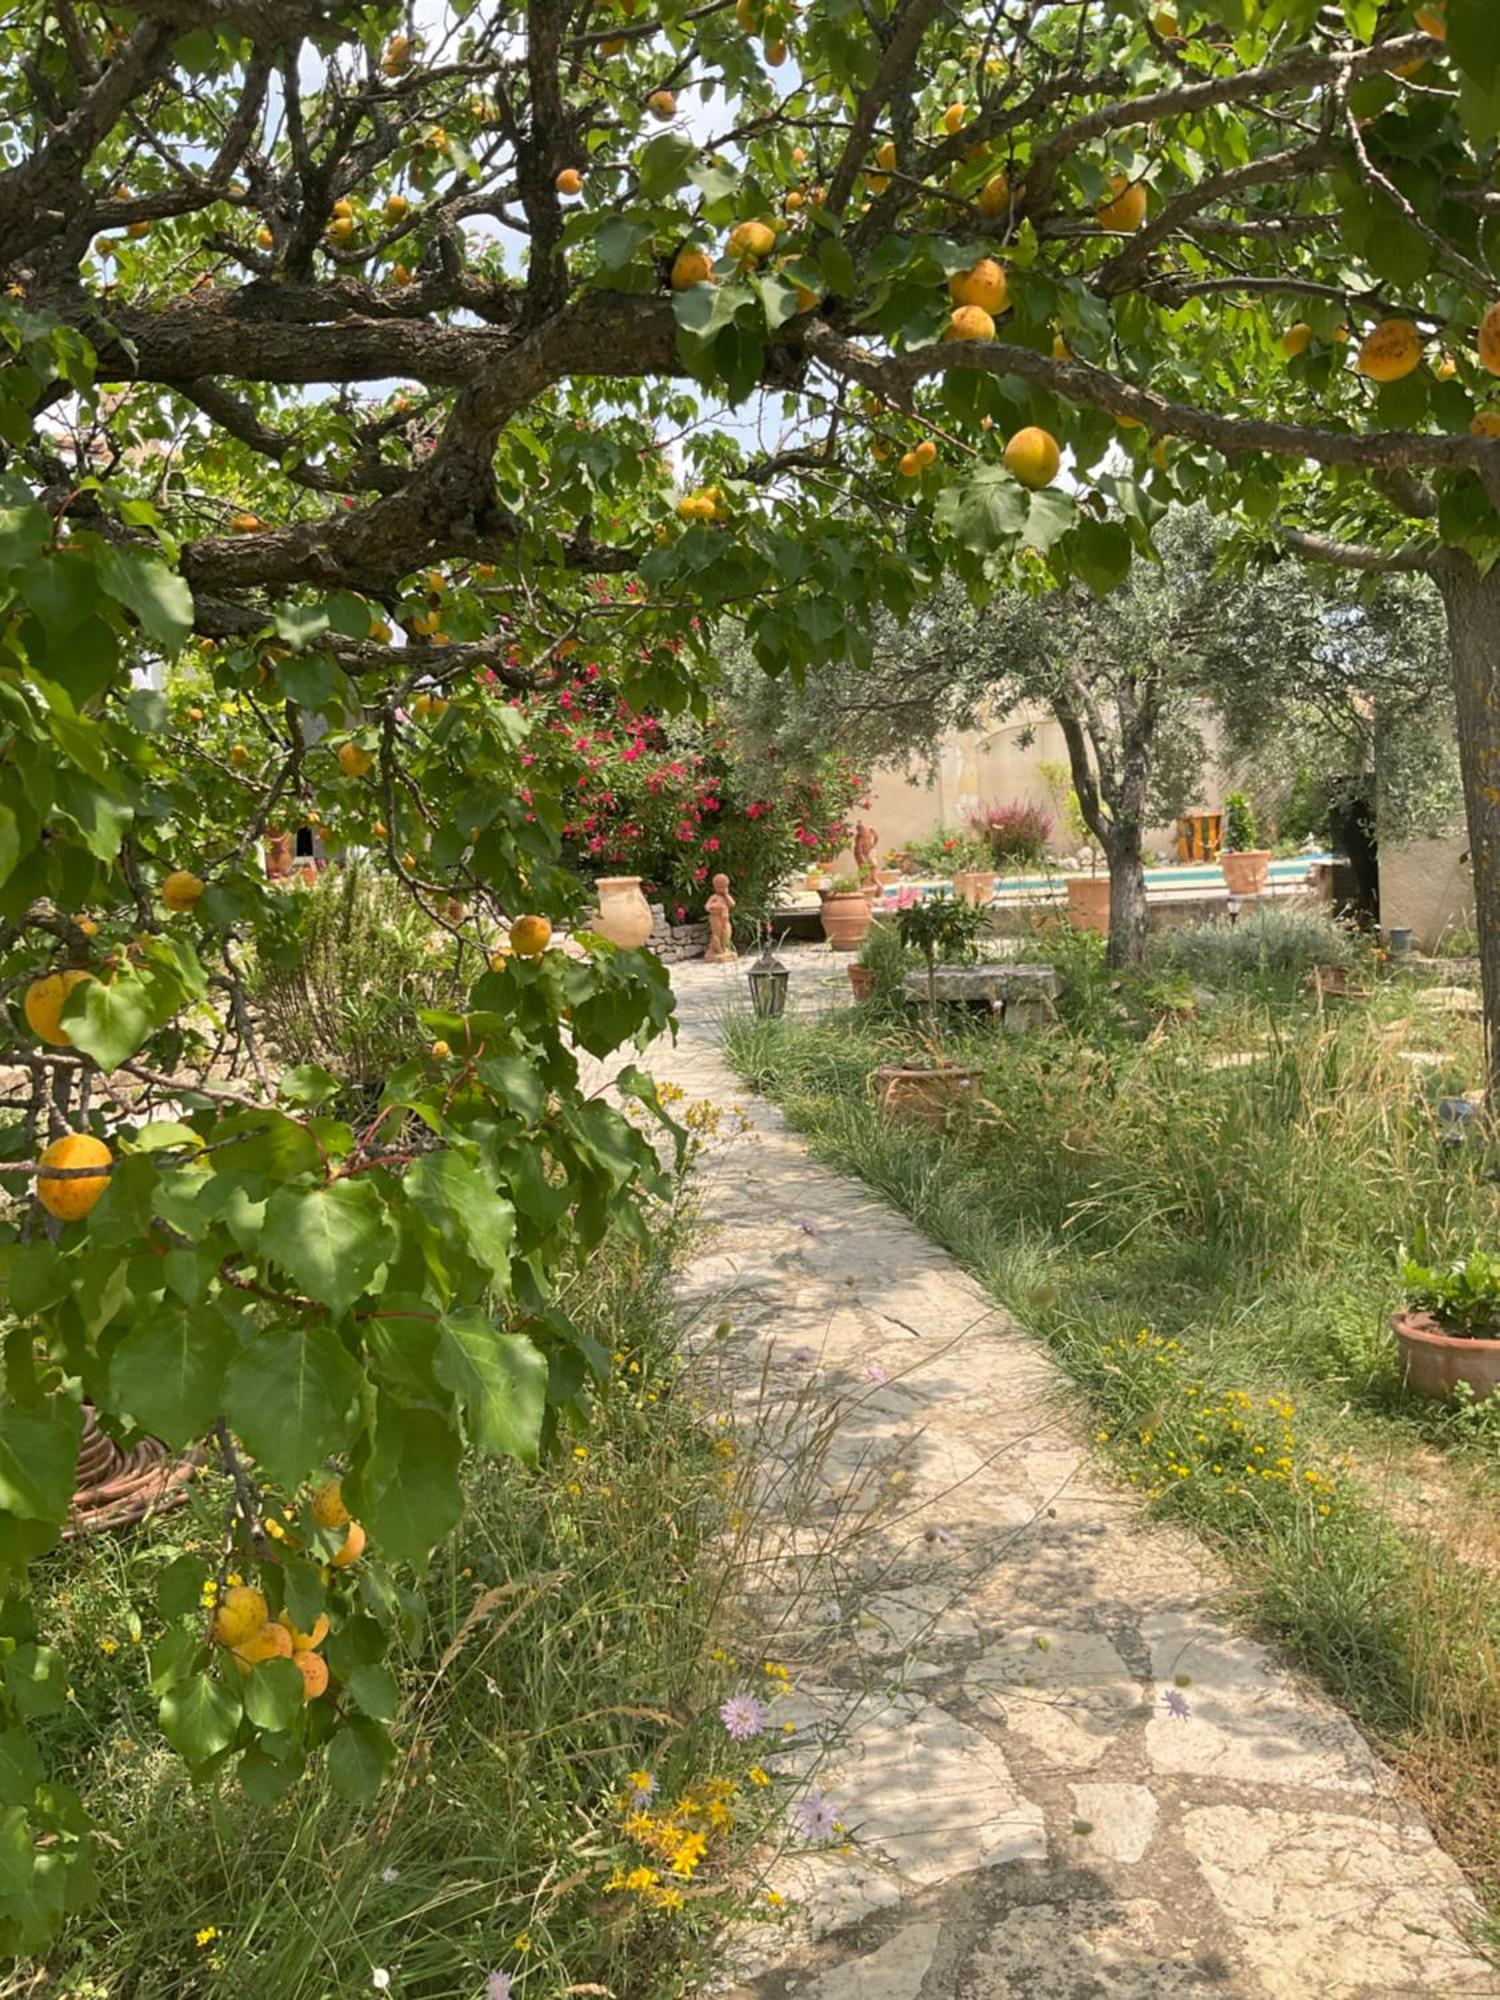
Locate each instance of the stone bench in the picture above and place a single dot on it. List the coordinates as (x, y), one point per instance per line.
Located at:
(1024, 996)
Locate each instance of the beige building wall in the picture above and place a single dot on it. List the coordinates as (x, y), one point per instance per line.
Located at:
(1427, 888)
(989, 766)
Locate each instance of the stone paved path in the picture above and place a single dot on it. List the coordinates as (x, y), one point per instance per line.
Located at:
(989, 1633)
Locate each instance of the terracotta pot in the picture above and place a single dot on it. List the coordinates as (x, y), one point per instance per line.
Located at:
(887, 878)
(975, 885)
(862, 979)
(1248, 873)
(924, 1096)
(1434, 1362)
(846, 919)
(280, 856)
(1088, 903)
(624, 913)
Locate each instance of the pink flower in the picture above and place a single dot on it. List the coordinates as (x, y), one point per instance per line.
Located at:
(710, 847)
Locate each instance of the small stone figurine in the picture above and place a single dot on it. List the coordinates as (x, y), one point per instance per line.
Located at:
(720, 907)
(865, 838)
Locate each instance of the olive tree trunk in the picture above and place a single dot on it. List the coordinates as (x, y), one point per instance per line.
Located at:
(1127, 894)
(1472, 603)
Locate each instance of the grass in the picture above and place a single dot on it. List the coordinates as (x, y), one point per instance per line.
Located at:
(570, 1639)
(1200, 1211)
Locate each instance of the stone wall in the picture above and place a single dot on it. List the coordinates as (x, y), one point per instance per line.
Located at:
(673, 943)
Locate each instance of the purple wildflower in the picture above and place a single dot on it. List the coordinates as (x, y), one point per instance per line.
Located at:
(1175, 1702)
(497, 1986)
(873, 1372)
(743, 1716)
(946, 1536)
(802, 1357)
(815, 1818)
(808, 1227)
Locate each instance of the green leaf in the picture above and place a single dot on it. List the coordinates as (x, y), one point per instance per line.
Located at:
(168, 1374)
(159, 598)
(985, 511)
(21, 1768)
(1474, 39)
(40, 1277)
(273, 1694)
(267, 1779)
(1049, 517)
(664, 163)
(18, 1863)
(38, 1458)
(24, 533)
(456, 1197)
(36, 1679)
(199, 1718)
(175, 1656)
(359, 1759)
(501, 1381)
(179, 1588)
(112, 1022)
(291, 1393)
(330, 1240)
(301, 624)
(374, 1690)
(410, 1490)
(309, 680)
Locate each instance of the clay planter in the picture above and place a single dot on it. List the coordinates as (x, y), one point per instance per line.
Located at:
(624, 913)
(887, 878)
(1088, 903)
(280, 856)
(1335, 982)
(845, 920)
(923, 1096)
(975, 885)
(862, 979)
(1248, 873)
(1434, 1362)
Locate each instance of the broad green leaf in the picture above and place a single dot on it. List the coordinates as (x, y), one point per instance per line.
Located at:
(984, 511)
(411, 1496)
(36, 1679)
(199, 1718)
(455, 1196)
(290, 1393)
(159, 598)
(330, 1241)
(501, 1381)
(38, 1458)
(359, 1759)
(21, 1768)
(374, 1690)
(273, 1693)
(168, 1373)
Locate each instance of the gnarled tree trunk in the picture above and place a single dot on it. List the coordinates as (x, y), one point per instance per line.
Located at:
(1127, 894)
(1472, 602)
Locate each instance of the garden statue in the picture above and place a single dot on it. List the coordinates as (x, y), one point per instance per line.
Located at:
(720, 937)
(864, 851)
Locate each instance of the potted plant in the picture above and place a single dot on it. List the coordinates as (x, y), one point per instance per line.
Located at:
(944, 929)
(846, 913)
(1449, 1331)
(1246, 867)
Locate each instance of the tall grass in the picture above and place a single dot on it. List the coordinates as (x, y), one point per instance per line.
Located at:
(1229, 1194)
(570, 1638)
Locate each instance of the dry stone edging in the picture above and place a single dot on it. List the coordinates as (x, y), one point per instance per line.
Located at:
(1061, 1773)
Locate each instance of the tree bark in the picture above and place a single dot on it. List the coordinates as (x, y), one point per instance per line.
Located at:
(1127, 895)
(1472, 603)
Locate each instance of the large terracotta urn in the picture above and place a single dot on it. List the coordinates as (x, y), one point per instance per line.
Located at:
(1248, 871)
(975, 885)
(846, 918)
(1088, 903)
(624, 913)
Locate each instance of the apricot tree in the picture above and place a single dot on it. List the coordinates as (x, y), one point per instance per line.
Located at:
(355, 358)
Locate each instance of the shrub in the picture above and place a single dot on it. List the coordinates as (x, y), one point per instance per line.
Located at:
(1016, 835)
(1239, 825)
(886, 954)
(343, 972)
(1272, 939)
(946, 852)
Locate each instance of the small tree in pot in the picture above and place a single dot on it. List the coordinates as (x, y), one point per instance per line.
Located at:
(945, 930)
(1246, 867)
(1449, 1333)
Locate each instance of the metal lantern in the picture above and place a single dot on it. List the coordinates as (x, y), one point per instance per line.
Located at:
(769, 980)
